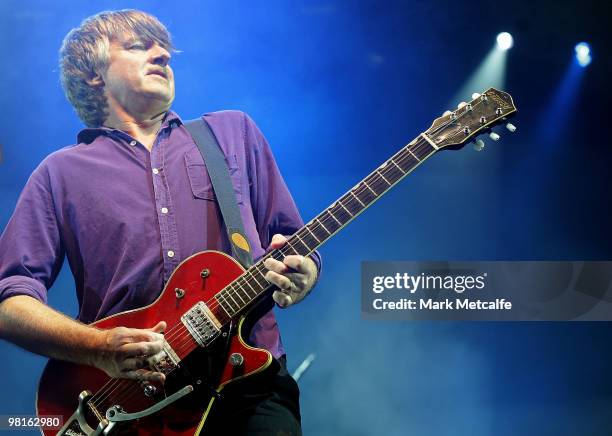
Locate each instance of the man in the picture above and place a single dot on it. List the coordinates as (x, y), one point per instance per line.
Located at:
(129, 202)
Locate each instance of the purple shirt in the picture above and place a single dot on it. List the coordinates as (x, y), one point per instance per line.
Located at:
(126, 217)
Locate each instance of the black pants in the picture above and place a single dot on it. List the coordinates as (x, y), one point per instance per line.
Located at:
(266, 404)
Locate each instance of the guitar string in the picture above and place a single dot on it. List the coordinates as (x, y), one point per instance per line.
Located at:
(176, 334)
(314, 228)
(399, 158)
(239, 288)
(402, 154)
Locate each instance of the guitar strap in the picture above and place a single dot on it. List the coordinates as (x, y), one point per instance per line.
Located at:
(222, 185)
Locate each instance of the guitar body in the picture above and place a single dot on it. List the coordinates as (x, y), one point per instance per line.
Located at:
(210, 301)
(207, 370)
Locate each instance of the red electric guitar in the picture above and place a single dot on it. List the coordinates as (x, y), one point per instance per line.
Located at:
(210, 303)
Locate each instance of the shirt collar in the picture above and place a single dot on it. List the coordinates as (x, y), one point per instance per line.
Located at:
(88, 135)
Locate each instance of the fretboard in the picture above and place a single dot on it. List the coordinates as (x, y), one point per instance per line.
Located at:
(252, 284)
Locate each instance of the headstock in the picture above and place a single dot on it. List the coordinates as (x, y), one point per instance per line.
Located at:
(454, 130)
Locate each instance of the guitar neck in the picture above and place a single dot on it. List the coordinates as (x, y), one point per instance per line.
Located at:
(252, 284)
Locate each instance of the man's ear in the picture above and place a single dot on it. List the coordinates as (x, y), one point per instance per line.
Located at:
(95, 80)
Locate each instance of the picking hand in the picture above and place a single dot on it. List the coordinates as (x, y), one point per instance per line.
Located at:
(125, 352)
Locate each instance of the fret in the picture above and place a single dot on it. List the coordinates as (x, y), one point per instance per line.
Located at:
(393, 175)
(302, 242)
(314, 236)
(309, 240)
(230, 308)
(383, 177)
(428, 139)
(322, 225)
(245, 280)
(232, 298)
(261, 271)
(342, 214)
(254, 268)
(222, 305)
(368, 186)
(357, 198)
(290, 245)
(415, 156)
(409, 161)
(365, 194)
(398, 167)
(423, 150)
(237, 291)
(340, 203)
(335, 219)
(320, 233)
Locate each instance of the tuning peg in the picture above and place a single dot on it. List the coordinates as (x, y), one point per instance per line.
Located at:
(475, 96)
(460, 105)
(511, 127)
(494, 136)
(479, 145)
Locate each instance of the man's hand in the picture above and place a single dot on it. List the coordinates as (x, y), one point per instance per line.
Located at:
(295, 275)
(125, 352)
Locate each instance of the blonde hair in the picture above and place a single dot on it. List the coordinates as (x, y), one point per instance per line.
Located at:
(85, 52)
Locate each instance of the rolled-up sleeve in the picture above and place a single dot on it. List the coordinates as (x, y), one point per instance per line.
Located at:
(31, 252)
(273, 206)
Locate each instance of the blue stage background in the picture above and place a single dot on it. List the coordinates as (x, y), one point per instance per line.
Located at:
(337, 87)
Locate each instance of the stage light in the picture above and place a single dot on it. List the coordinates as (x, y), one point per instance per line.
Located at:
(504, 41)
(583, 54)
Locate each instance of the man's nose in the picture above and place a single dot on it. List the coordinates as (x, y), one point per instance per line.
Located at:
(160, 56)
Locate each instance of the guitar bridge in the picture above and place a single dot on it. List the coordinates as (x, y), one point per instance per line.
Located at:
(201, 324)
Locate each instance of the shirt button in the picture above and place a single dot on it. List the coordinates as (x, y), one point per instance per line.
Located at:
(170, 253)
(155, 171)
(164, 210)
(132, 143)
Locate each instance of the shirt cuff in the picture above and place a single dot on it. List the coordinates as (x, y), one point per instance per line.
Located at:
(22, 285)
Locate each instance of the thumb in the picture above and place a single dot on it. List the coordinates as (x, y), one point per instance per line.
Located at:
(159, 327)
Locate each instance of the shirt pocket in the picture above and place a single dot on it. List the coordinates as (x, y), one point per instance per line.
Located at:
(199, 180)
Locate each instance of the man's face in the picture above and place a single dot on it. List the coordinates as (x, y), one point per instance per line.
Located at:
(138, 78)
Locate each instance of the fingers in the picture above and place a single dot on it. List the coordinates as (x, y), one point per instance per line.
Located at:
(124, 335)
(278, 241)
(282, 299)
(143, 374)
(141, 348)
(138, 362)
(283, 282)
(291, 263)
(160, 327)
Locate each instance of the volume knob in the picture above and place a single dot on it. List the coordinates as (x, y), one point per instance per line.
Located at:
(236, 359)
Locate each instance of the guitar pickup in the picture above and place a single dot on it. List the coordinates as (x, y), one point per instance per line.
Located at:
(201, 324)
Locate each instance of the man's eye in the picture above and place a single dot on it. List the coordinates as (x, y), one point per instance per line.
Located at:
(138, 46)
